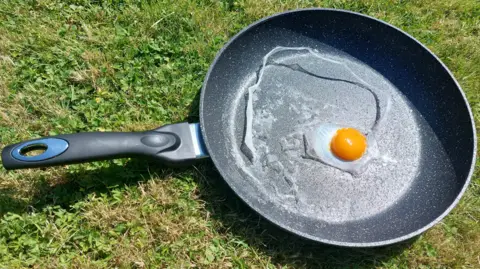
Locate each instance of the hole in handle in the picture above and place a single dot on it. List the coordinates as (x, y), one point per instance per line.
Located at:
(40, 149)
(33, 150)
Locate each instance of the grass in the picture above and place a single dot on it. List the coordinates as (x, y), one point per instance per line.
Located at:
(78, 65)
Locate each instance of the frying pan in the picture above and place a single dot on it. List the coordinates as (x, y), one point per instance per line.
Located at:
(440, 127)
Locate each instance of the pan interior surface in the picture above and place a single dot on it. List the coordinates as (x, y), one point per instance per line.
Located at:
(298, 89)
(425, 155)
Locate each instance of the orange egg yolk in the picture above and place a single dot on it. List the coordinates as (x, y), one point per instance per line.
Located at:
(348, 144)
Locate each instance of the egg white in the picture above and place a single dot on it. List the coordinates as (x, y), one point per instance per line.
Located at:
(317, 146)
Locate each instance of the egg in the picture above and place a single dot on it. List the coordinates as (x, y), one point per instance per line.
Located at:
(342, 147)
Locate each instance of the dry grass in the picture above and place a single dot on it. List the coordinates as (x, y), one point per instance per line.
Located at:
(165, 219)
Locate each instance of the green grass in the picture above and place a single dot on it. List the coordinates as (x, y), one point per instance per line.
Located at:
(78, 65)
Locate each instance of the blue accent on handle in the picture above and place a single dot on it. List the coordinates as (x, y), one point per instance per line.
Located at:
(198, 143)
(201, 143)
(55, 147)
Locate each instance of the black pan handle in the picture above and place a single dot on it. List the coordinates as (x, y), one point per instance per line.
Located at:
(175, 143)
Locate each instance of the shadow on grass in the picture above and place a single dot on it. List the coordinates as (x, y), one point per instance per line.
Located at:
(10, 204)
(73, 187)
(230, 213)
(81, 182)
(283, 247)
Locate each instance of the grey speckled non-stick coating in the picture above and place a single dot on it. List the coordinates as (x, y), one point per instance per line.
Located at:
(446, 134)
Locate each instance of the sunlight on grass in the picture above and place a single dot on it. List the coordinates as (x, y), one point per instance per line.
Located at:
(80, 65)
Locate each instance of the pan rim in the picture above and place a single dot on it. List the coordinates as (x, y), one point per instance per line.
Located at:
(224, 174)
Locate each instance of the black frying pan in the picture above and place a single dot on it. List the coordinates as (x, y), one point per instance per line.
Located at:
(429, 135)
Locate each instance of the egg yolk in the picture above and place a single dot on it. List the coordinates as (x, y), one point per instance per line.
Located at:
(348, 144)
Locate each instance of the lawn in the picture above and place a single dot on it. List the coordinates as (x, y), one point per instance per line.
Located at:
(87, 65)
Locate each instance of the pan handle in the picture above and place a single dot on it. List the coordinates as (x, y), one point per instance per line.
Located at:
(174, 143)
